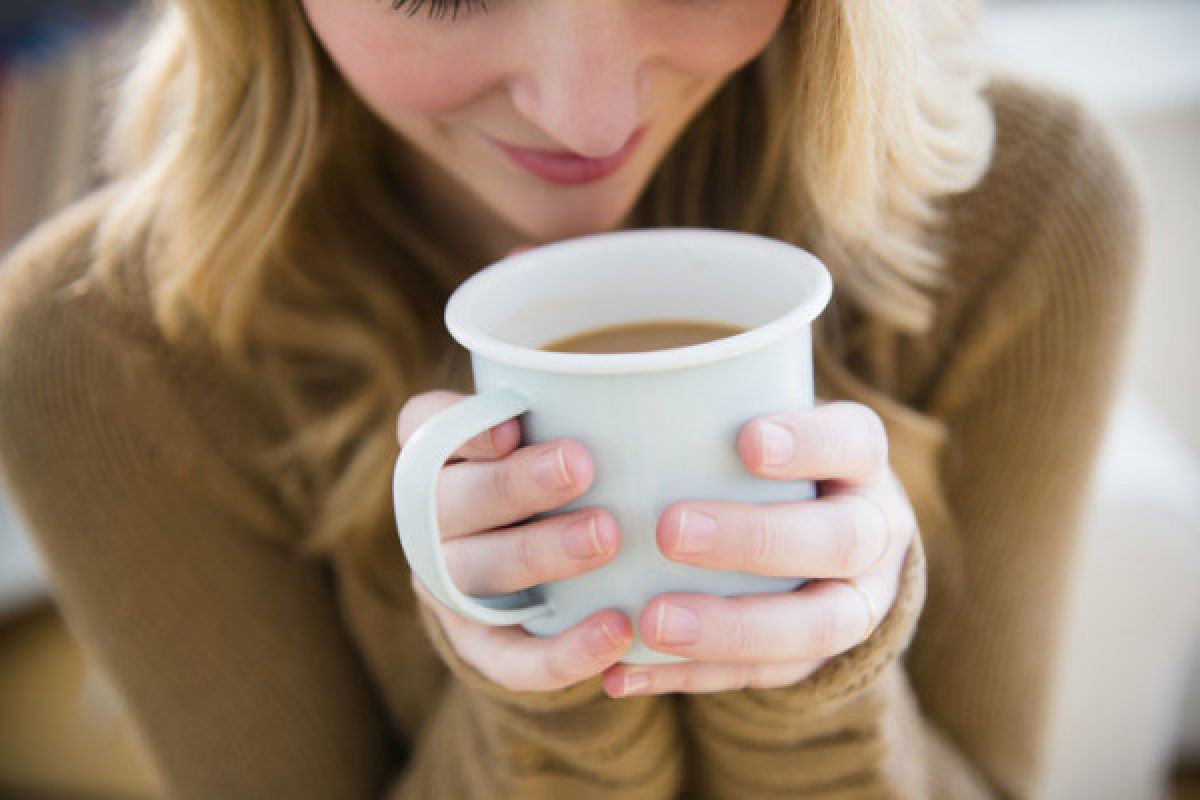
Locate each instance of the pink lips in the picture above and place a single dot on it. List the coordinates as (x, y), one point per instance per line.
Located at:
(568, 168)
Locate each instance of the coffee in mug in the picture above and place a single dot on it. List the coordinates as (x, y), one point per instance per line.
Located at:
(639, 337)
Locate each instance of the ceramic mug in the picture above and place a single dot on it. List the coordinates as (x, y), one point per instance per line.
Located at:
(660, 425)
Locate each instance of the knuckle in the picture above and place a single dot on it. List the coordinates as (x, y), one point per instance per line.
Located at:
(763, 538)
(741, 637)
(502, 483)
(878, 532)
(420, 407)
(410, 403)
(529, 560)
(848, 538)
(406, 422)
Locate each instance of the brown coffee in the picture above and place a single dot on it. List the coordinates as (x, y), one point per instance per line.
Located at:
(638, 337)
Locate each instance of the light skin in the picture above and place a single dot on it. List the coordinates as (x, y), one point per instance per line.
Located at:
(860, 527)
(538, 74)
(583, 77)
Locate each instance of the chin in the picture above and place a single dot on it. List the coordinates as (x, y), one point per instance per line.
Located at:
(548, 222)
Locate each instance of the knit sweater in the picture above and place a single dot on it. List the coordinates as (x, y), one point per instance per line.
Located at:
(254, 670)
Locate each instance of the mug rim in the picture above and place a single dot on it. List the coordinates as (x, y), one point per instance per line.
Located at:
(477, 341)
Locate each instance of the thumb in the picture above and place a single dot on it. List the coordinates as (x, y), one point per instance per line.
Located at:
(521, 248)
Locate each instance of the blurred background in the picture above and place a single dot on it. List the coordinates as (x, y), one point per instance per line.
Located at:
(1126, 718)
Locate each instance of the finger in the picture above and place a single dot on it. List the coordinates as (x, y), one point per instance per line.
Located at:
(843, 534)
(837, 440)
(519, 661)
(477, 496)
(819, 620)
(496, 442)
(698, 677)
(548, 549)
(891, 499)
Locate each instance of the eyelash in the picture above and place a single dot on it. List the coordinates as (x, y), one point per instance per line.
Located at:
(439, 8)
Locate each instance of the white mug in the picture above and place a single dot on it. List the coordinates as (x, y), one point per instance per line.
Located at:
(660, 426)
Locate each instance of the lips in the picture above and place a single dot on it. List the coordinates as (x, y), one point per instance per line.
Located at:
(568, 168)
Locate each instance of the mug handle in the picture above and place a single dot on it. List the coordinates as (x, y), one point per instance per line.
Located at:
(414, 495)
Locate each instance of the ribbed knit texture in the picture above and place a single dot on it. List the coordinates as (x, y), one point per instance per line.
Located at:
(255, 672)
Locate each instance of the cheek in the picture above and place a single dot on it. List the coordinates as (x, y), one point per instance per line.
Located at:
(394, 67)
(715, 37)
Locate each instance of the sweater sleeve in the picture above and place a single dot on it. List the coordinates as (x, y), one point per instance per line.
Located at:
(574, 742)
(175, 566)
(1024, 399)
(173, 570)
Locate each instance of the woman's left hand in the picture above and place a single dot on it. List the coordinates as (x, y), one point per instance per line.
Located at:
(851, 539)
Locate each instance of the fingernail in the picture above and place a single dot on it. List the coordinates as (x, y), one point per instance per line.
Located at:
(550, 469)
(677, 625)
(583, 538)
(778, 444)
(636, 682)
(602, 640)
(484, 441)
(697, 532)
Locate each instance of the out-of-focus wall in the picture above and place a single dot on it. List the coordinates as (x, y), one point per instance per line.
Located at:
(1137, 63)
(51, 104)
(1165, 356)
(1127, 707)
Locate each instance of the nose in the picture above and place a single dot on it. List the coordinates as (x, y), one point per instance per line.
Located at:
(581, 77)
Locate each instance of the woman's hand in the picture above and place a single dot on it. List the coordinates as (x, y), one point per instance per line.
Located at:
(489, 483)
(852, 539)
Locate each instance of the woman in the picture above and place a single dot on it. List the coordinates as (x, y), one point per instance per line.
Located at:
(209, 364)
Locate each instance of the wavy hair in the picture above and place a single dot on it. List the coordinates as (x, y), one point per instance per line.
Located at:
(267, 207)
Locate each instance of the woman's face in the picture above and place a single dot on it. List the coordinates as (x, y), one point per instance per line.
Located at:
(588, 78)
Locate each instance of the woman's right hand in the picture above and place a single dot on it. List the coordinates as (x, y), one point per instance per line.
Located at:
(489, 483)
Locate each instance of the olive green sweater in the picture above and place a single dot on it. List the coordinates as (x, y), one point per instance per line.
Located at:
(255, 671)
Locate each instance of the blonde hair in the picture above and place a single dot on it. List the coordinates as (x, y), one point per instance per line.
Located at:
(266, 205)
